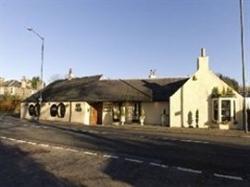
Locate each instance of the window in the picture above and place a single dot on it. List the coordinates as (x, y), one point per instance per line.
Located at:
(136, 112)
(32, 110)
(225, 110)
(215, 110)
(61, 110)
(53, 110)
(78, 107)
(116, 112)
(234, 109)
(37, 109)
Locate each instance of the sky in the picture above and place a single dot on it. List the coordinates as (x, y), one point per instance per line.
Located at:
(121, 38)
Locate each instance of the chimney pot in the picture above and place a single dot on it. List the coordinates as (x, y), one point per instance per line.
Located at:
(203, 52)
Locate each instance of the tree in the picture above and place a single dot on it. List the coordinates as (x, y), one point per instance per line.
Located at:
(35, 81)
(230, 81)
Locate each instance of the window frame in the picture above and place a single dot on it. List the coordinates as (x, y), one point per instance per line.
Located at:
(61, 110)
(220, 109)
(54, 110)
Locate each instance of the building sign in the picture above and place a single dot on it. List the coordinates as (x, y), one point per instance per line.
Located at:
(78, 107)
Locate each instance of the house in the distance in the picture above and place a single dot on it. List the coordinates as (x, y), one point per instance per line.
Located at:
(200, 101)
(20, 89)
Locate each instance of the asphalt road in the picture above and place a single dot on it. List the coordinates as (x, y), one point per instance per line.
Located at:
(212, 159)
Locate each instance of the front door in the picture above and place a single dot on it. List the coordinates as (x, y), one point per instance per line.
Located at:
(96, 114)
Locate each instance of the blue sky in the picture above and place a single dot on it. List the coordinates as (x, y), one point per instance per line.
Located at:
(121, 38)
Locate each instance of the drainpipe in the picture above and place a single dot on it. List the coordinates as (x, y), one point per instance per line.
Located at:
(70, 111)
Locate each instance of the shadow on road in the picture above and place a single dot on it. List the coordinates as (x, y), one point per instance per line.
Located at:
(208, 157)
(18, 169)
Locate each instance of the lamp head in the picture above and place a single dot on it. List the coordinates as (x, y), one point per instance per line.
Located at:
(29, 29)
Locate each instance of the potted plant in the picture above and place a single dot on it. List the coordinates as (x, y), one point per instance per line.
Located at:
(142, 117)
(197, 118)
(224, 125)
(190, 119)
(163, 118)
(123, 117)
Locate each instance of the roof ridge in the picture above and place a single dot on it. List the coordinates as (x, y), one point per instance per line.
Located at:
(160, 78)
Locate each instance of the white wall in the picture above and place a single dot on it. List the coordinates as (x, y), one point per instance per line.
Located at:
(82, 116)
(77, 117)
(194, 95)
(153, 111)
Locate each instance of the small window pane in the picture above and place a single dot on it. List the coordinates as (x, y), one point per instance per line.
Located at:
(215, 109)
(53, 110)
(226, 110)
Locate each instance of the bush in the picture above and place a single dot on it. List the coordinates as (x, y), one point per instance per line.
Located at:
(9, 104)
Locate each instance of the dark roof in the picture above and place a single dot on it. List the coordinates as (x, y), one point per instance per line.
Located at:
(92, 89)
(12, 83)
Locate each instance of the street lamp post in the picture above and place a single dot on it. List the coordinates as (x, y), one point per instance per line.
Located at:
(243, 67)
(42, 60)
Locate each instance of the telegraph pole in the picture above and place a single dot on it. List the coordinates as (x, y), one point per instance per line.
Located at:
(245, 125)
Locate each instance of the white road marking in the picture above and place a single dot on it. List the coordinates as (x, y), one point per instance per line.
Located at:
(90, 153)
(37, 126)
(44, 145)
(158, 165)
(57, 147)
(32, 143)
(127, 159)
(198, 141)
(12, 139)
(72, 150)
(134, 160)
(110, 156)
(20, 141)
(228, 177)
(194, 141)
(189, 170)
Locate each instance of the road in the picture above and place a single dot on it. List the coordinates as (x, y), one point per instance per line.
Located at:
(218, 162)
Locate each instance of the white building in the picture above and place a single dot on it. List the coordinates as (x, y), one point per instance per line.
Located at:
(202, 100)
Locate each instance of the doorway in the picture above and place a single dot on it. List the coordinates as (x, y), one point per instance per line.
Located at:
(96, 113)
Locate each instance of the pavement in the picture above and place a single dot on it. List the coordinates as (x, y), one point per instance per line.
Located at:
(162, 129)
(237, 137)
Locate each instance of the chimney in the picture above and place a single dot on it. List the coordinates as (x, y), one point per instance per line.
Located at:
(23, 82)
(202, 62)
(70, 74)
(152, 74)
